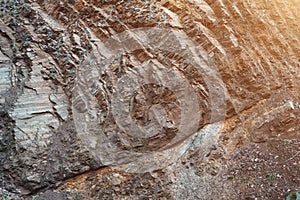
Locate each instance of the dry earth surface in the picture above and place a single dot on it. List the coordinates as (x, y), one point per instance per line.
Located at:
(50, 50)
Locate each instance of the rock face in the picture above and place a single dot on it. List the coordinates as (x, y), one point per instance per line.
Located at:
(163, 99)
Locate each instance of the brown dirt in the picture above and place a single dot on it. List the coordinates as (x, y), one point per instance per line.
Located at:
(267, 170)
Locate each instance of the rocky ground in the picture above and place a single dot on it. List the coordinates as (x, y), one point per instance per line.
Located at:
(231, 120)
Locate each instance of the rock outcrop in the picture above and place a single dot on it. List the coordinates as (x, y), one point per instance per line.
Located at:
(138, 99)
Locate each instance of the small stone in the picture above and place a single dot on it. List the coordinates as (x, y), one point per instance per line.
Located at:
(36, 178)
(115, 181)
(84, 169)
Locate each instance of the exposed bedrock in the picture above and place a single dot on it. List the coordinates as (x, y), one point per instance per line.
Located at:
(142, 86)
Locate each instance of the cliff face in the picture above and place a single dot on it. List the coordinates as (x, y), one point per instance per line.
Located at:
(149, 99)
